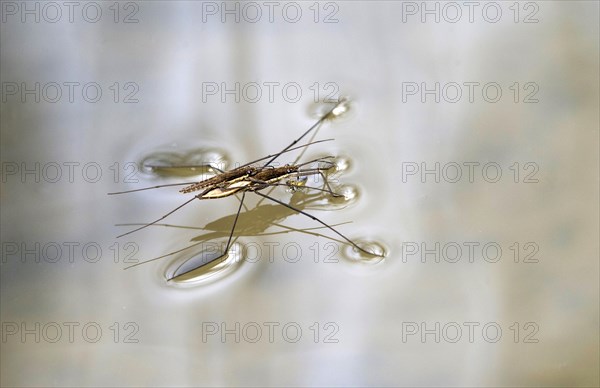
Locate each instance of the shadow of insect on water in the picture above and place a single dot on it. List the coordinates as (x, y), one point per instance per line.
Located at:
(251, 223)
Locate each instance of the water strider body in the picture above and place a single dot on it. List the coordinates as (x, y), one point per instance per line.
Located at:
(253, 178)
(246, 178)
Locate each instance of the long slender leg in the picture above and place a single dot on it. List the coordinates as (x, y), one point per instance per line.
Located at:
(288, 230)
(163, 256)
(321, 159)
(161, 186)
(310, 188)
(152, 188)
(319, 171)
(241, 204)
(327, 186)
(199, 196)
(310, 141)
(289, 147)
(315, 125)
(214, 168)
(193, 245)
(160, 219)
(226, 250)
(319, 221)
(237, 215)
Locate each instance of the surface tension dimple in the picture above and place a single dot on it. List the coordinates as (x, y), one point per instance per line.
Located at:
(191, 163)
(205, 266)
(354, 256)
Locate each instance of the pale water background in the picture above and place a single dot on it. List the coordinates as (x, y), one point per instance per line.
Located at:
(370, 54)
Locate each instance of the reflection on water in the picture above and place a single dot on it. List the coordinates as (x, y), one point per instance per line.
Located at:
(205, 261)
(205, 266)
(192, 163)
(341, 164)
(342, 111)
(354, 256)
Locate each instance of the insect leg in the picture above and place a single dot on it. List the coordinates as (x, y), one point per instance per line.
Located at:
(226, 250)
(315, 125)
(152, 188)
(319, 221)
(313, 171)
(199, 196)
(235, 222)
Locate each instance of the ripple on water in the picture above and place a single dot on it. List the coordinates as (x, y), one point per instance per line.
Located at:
(189, 163)
(349, 194)
(341, 164)
(344, 105)
(204, 267)
(359, 258)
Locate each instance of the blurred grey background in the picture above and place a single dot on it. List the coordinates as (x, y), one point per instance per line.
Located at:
(480, 88)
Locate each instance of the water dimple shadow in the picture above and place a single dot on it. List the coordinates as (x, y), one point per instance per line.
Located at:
(184, 163)
(211, 262)
(205, 266)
